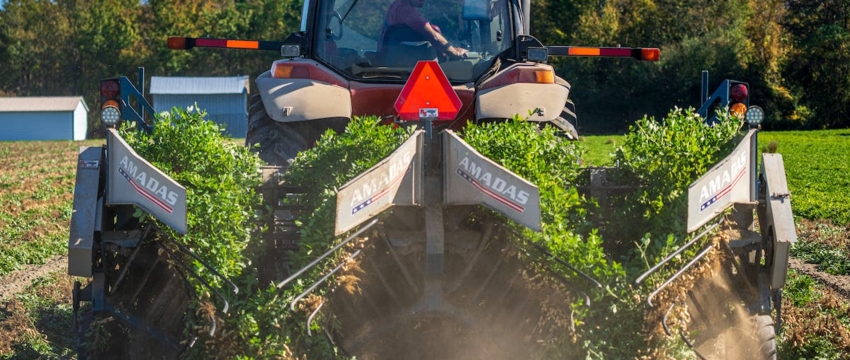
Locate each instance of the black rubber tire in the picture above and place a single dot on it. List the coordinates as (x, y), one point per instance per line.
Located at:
(563, 124)
(280, 142)
(277, 143)
(84, 324)
(766, 337)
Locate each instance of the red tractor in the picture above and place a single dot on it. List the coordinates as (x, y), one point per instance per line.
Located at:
(350, 59)
(347, 60)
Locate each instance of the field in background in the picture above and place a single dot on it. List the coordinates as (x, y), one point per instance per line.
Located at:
(36, 190)
(36, 185)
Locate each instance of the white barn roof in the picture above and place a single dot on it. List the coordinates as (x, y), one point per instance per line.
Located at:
(41, 103)
(199, 85)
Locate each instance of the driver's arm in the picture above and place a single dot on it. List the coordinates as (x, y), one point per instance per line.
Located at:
(441, 41)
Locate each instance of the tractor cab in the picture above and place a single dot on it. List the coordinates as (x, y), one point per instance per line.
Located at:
(374, 40)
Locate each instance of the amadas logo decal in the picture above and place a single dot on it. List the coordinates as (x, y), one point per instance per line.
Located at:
(723, 183)
(147, 186)
(379, 187)
(492, 186)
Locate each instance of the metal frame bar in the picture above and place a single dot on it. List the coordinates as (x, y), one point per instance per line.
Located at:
(198, 277)
(401, 266)
(312, 315)
(129, 261)
(322, 280)
(701, 255)
(678, 251)
(326, 254)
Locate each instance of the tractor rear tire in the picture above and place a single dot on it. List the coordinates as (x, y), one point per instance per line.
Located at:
(567, 121)
(766, 337)
(279, 142)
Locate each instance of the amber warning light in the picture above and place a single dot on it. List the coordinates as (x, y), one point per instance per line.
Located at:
(427, 94)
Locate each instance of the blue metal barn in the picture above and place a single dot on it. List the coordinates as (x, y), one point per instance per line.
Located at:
(223, 98)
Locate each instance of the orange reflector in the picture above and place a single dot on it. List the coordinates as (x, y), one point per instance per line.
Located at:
(544, 76)
(650, 54)
(584, 51)
(738, 109)
(110, 103)
(177, 43)
(243, 44)
(282, 71)
(290, 71)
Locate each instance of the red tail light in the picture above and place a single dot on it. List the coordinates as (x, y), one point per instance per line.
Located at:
(110, 89)
(739, 94)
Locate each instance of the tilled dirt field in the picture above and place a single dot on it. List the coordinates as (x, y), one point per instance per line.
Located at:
(17, 325)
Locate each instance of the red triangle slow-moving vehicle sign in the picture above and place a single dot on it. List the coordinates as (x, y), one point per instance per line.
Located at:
(427, 93)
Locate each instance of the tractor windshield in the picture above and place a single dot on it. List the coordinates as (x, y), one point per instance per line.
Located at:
(356, 39)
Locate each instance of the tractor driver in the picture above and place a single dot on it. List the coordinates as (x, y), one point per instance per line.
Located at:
(405, 13)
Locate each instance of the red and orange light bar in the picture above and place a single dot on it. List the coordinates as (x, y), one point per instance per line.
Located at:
(645, 54)
(186, 43)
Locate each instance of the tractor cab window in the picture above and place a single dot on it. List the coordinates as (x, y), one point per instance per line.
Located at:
(354, 38)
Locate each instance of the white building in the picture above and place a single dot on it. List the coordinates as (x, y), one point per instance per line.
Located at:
(43, 118)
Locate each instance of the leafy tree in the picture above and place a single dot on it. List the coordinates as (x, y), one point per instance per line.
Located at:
(37, 34)
(823, 76)
(817, 65)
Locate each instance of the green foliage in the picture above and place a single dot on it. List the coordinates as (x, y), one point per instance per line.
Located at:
(552, 164)
(265, 323)
(821, 66)
(816, 166)
(599, 149)
(816, 348)
(800, 289)
(38, 318)
(336, 159)
(567, 232)
(664, 158)
(219, 178)
(830, 260)
(36, 184)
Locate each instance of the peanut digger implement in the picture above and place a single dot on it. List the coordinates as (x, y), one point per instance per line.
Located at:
(423, 263)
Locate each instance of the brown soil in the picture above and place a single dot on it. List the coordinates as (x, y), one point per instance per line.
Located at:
(500, 310)
(721, 325)
(839, 283)
(18, 281)
(48, 322)
(818, 318)
(707, 307)
(832, 236)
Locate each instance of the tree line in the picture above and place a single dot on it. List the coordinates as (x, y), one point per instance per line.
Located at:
(795, 54)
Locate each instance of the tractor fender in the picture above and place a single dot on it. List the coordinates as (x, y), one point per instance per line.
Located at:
(289, 100)
(544, 102)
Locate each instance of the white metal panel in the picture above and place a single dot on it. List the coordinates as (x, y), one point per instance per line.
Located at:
(56, 125)
(199, 85)
(725, 184)
(779, 216)
(472, 178)
(396, 180)
(81, 122)
(133, 180)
